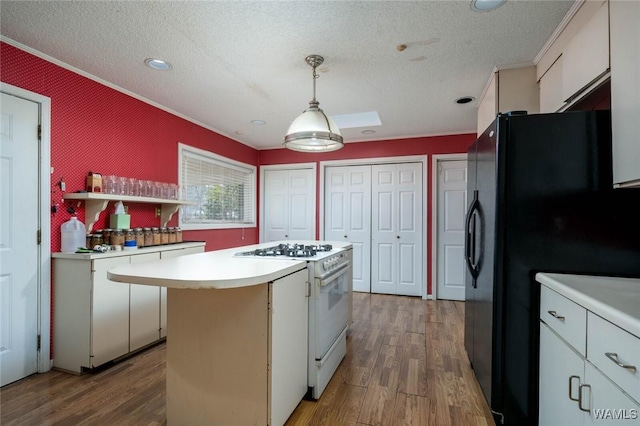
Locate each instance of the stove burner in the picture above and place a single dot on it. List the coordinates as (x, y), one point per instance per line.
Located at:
(290, 250)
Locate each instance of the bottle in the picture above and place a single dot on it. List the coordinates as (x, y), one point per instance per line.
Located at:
(74, 235)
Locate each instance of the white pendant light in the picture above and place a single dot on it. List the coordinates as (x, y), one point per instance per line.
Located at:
(313, 131)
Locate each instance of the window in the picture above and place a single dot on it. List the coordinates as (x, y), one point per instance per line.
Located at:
(223, 191)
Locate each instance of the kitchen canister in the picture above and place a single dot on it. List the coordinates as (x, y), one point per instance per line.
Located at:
(74, 235)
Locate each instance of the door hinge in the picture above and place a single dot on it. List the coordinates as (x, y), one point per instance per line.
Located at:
(440, 168)
(39, 342)
(39, 132)
(39, 237)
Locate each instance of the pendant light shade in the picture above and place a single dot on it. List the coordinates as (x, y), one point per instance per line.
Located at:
(313, 131)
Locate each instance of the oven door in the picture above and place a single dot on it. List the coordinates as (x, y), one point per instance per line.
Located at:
(331, 309)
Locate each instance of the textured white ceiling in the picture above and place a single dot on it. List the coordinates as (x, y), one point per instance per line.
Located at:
(237, 61)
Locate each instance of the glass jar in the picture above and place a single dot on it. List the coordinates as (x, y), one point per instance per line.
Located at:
(88, 243)
(172, 235)
(178, 235)
(164, 235)
(117, 237)
(106, 235)
(148, 237)
(96, 240)
(139, 236)
(156, 235)
(129, 235)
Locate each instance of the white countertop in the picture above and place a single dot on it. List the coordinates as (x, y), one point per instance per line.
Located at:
(615, 299)
(217, 269)
(142, 250)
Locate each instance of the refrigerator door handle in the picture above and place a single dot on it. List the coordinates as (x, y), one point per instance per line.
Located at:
(470, 240)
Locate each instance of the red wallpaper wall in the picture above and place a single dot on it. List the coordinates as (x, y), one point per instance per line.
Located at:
(390, 148)
(96, 128)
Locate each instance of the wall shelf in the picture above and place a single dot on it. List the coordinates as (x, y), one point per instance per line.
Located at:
(95, 203)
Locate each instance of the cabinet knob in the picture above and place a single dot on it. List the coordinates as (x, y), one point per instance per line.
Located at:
(398, 236)
(345, 236)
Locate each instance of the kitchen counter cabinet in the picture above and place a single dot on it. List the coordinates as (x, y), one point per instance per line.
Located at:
(582, 319)
(576, 61)
(625, 92)
(508, 90)
(97, 320)
(237, 356)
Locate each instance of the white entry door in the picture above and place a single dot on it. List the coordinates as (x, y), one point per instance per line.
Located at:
(289, 205)
(397, 258)
(452, 202)
(348, 216)
(19, 207)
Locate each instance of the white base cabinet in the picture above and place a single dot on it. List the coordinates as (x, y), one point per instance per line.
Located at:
(97, 320)
(237, 356)
(589, 364)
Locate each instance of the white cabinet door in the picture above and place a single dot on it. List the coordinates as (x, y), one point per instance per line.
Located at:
(289, 331)
(561, 373)
(144, 305)
(551, 99)
(289, 205)
(607, 404)
(347, 216)
(586, 55)
(625, 91)
(452, 202)
(109, 313)
(397, 256)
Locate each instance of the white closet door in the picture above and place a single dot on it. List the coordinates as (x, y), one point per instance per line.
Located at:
(397, 256)
(289, 205)
(348, 216)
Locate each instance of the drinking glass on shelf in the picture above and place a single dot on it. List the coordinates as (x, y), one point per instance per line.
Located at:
(110, 184)
(165, 191)
(122, 185)
(132, 185)
(139, 191)
(148, 188)
(157, 189)
(173, 191)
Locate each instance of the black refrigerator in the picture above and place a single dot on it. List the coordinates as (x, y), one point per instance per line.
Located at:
(540, 198)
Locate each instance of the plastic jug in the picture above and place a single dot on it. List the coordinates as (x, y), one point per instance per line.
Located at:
(73, 235)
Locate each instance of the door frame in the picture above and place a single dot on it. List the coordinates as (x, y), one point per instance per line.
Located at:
(44, 211)
(293, 166)
(435, 162)
(423, 159)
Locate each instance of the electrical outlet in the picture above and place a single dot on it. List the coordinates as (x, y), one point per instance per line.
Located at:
(157, 211)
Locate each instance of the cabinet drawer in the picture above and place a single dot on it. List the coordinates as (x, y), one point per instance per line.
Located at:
(605, 338)
(565, 317)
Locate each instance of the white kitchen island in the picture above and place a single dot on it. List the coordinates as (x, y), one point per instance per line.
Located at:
(237, 335)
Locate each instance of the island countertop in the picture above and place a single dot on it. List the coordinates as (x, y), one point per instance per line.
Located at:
(217, 269)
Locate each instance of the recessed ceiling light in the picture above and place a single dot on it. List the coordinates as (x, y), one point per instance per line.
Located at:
(368, 132)
(239, 132)
(258, 122)
(158, 64)
(465, 100)
(486, 5)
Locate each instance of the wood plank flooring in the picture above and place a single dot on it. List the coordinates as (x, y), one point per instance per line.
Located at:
(405, 365)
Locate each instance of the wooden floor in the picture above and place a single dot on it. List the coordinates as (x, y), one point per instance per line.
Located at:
(405, 365)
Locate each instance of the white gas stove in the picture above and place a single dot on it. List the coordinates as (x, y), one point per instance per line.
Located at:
(329, 269)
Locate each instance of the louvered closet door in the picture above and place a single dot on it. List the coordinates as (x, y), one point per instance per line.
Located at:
(397, 256)
(348, 216)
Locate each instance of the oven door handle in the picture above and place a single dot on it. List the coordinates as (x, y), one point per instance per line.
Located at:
(333, 274)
